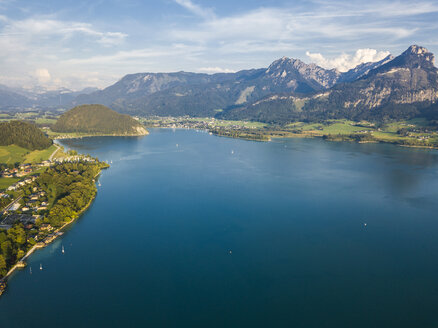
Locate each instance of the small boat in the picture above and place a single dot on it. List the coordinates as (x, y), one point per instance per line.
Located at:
(364, 224)
(177, 145)
(41, 266)
(62, 249)
(99, 184)
(111, 161)
(232, 152)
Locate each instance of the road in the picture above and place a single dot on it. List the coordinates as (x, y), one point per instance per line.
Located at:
(7, 207)
(57, 148)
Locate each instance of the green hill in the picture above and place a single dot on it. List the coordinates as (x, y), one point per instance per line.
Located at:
(98, 119)
(23, 134)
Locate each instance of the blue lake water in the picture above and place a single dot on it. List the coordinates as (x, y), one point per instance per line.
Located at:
(194, 230)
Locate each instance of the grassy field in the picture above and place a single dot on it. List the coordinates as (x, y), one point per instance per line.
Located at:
(37, 156)
(12, 154)
(45, 121)
(6, 182)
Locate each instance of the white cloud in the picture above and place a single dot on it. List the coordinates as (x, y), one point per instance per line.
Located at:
(45, 27)
(264, 27)
(344, 62)
(80, 52)
(43, 76)
(195, 9)
(213, 70)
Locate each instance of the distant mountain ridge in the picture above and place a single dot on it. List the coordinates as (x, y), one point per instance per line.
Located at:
(401, 88)
(196, 94)
(17, 99)
(289, 89)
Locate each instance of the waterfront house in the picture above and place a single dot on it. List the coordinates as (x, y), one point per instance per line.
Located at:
(40, 244)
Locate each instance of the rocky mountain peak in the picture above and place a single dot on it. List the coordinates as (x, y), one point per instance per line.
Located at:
(418, 50)
(417, 56)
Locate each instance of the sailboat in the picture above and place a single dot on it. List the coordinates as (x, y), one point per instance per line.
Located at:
(99, 184)
(30, 269)
(62, 249)
(41, 266)
(111, 161)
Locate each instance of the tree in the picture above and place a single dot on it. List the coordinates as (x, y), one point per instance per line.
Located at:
(3, 266)
(6, 247)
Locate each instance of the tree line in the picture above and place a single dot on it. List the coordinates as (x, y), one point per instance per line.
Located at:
(23, 134)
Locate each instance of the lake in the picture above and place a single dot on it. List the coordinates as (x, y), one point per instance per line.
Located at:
(194, 230)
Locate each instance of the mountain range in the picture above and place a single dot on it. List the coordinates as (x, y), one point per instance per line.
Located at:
(403, 87)
(181, 93)
(289, 89)
(17, 99)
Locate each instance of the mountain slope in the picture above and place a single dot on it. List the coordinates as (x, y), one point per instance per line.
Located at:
(23, 134)
(194, 94)
(402, 88)
(98, 119)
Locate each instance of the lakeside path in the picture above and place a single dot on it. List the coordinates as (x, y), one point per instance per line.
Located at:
(55, 151)
(35, 247)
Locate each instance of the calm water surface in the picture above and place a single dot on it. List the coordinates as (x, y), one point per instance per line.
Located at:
(219, 232)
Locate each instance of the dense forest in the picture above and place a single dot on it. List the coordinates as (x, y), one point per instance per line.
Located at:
(23, 134)
(97, 119)
(70, 188)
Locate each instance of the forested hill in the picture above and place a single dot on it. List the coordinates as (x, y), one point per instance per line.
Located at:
(98, 119)
(23, 134)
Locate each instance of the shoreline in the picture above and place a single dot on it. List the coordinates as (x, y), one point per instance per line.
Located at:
(56, 234)
(302, 136)
(62, 137)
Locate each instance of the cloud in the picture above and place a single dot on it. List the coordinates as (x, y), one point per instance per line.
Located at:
(196, 9)
(43, 76)
(242, 37)
(44, 28)
(267, 26)
(344, 62)
(213, 70)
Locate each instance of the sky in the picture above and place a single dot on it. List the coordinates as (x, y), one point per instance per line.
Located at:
(76, 44)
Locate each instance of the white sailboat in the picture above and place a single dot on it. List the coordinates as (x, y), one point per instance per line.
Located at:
(99, 184)
(41, 266)
(62, 249)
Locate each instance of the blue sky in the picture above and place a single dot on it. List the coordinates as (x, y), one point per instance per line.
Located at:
(76, 44)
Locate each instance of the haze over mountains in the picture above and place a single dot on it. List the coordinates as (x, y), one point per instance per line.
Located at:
(289, 89)
(20, 98)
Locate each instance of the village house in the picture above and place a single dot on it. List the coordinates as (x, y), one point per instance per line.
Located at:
(46, 226)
